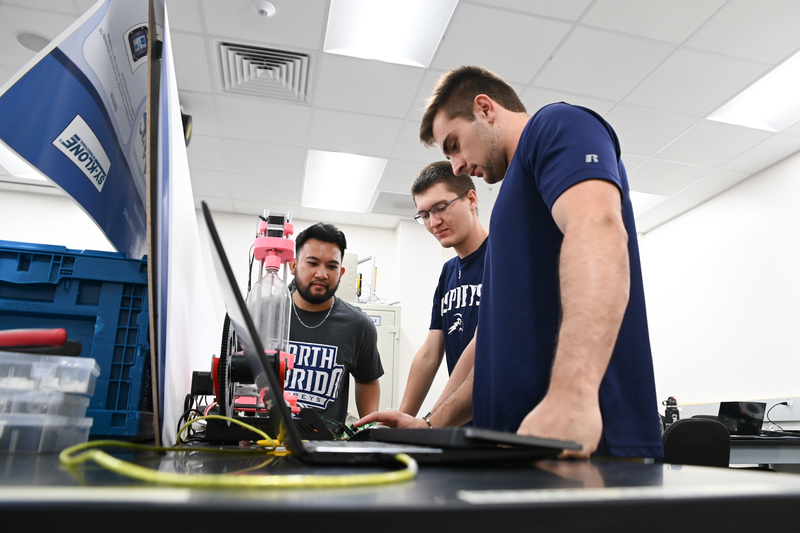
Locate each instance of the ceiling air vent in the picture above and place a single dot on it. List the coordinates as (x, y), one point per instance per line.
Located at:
(264, 72)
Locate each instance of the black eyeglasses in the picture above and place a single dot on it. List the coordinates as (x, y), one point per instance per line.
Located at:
(437, 210)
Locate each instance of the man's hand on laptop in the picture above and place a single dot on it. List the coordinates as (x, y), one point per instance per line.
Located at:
(556, 420)
(395, 419)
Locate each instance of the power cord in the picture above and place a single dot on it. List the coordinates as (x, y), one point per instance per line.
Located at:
(81, 453)
(773, 407)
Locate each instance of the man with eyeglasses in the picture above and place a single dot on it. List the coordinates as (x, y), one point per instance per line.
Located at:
(448, 208)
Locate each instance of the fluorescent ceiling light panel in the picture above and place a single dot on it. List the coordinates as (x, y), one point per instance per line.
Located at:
(341, 182)
(772, 103)
(642, 201)
(406, 33)
(18, 167)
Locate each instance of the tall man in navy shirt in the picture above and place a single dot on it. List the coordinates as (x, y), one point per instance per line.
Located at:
(562, 343)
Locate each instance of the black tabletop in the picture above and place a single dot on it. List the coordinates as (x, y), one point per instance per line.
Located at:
(597, 495)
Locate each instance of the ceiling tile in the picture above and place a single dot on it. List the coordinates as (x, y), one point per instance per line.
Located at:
(657, 176)
(695, 83)
(184, 15)
(353, 133)
(760, 31)
(45, 189)
(5, 74)
(399, 175)
(535, 98)
(713, 184)
(671, 21)
(295, 24)
(13, 187)
(83, 5)
(393, 203)
(330, 216)
(410, 148)
(602, 64)
(61, 6)
(364, 86)
(426, 86)
(765, 153)
(642, 201)
(663, 212)
(255, 119)
(15, 19)
(191, 63)
(563, 9)
(264, 159)
(711, 144)
(643, 130)
(213, 183)
(201, 107)
(266, 190)
(531, 39)
(794, 129)
(632, 161)
(376, 220)
(206, 152)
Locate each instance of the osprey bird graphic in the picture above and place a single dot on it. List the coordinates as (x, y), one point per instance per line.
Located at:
(457, 325)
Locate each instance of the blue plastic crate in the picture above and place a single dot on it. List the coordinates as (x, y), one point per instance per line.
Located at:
(100, 298)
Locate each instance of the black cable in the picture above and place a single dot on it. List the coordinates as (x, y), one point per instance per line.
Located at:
(250, 268)
(773, 407)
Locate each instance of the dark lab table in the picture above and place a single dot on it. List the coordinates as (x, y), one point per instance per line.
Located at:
(36, 494)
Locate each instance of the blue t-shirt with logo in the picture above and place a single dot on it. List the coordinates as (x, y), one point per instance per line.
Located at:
(560, 146)
(456, 301)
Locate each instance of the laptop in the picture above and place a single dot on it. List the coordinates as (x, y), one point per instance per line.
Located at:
(425, 445)
(742, 418)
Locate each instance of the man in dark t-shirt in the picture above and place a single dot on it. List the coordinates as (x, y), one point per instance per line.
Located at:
(448, 208)
(329, 338)
(562, 347)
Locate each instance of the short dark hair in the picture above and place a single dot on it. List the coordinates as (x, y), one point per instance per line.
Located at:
(322, 232)
(441, 172)
(455, 94)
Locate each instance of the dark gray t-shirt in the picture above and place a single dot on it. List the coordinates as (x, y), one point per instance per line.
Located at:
(346, 343)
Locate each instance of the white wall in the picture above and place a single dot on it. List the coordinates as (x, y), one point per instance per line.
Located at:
(723, 293)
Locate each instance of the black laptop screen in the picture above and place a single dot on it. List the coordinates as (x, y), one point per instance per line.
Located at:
(742, 418)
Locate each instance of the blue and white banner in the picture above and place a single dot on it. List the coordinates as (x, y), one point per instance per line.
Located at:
(77, 113)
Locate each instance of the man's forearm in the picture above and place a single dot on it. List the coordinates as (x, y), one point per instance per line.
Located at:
(423, 370)
(462, 370)
(595, 284)
(456, 410)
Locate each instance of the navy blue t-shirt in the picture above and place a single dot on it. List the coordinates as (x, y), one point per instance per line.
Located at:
(456, 301)
(521, 308)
